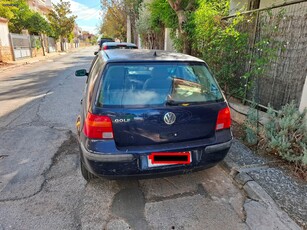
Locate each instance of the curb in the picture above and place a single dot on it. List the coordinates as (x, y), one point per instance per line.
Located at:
(26, 62)
(261, 210)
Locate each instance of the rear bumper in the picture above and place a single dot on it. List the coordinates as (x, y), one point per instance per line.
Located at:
(218, 147)
(135, 165)
(110, 157)
(105, 157)
(155, 173)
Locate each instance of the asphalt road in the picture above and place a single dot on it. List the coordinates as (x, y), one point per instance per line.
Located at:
(41, 186)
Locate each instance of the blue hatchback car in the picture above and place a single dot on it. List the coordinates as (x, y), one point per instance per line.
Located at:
(148, 113)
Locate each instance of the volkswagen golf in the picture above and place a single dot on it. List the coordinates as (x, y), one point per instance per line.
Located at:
(150, 113)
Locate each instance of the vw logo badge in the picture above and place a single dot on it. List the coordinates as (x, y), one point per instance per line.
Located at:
(169, 118)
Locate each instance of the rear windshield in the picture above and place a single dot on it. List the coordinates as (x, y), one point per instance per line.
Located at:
(157, 84)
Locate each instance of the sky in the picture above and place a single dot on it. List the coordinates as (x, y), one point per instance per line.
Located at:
(88, 13)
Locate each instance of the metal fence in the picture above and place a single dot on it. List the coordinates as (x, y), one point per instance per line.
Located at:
(24, 45)
(285, 75)
(21, 45)
(35, 42)
(51, 45)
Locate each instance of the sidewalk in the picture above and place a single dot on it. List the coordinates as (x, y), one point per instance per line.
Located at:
(268, 187)
(25, 61)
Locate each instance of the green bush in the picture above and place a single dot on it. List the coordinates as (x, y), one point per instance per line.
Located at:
(221, 44)
(251, 125)
(286, 134)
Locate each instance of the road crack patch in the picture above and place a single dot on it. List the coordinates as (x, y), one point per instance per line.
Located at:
(68, 147)
(129, 204)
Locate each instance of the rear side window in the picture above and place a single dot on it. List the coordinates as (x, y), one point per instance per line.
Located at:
(157, 84)
(111, 47)
(131, 47)
(93, 75)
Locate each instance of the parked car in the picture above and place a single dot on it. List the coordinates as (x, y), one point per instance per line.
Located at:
(150, 113)
(103, 40)
(117, 45)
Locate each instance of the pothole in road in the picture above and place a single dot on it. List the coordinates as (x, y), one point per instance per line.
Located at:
(3, 156)
(65, 160)
(68, 147)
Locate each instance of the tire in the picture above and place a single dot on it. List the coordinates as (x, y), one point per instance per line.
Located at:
(85, 173)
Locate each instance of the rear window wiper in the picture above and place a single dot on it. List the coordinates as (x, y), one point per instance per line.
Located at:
(172, 102)
(187, 103)
(184, 103)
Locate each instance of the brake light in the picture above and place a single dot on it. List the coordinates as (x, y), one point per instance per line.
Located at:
(223, 119)
(105, 47)
(98, 127)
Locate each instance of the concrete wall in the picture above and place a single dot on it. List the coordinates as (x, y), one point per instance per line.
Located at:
(242, 5)
(5, 47)
(268, 3)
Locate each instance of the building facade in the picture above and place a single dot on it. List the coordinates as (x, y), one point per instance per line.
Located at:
(43, 7)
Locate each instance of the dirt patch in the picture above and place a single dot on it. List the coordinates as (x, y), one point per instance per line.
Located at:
(4, 64)
(237, 130)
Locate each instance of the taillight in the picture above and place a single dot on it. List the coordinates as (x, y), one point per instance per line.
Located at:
(105, 47)
(98, 127)
(223, 119)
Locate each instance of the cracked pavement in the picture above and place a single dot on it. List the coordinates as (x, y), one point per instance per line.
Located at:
(41, 186)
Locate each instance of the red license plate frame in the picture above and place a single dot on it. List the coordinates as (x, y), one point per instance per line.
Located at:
(169, 158)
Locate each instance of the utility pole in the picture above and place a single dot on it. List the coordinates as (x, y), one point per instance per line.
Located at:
(128, 29)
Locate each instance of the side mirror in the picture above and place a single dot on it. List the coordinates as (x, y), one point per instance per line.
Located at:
(95, 53)
(81, 73)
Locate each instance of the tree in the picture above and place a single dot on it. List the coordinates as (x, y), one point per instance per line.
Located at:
(21, 14)
(183, 10)
(6, 9)
(36, 24)
(61, 24)
(221, 44)
(144, 28)
(21, 17)
(114, 24)
(154, 17)
(115, 19)
(132, 8)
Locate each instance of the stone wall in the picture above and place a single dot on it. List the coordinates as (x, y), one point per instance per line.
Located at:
(5, 54)
(37, 52)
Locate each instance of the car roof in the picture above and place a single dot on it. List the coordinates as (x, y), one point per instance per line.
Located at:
(142, 55)
(119, 43)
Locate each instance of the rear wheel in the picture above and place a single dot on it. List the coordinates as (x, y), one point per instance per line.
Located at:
(85, 173)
